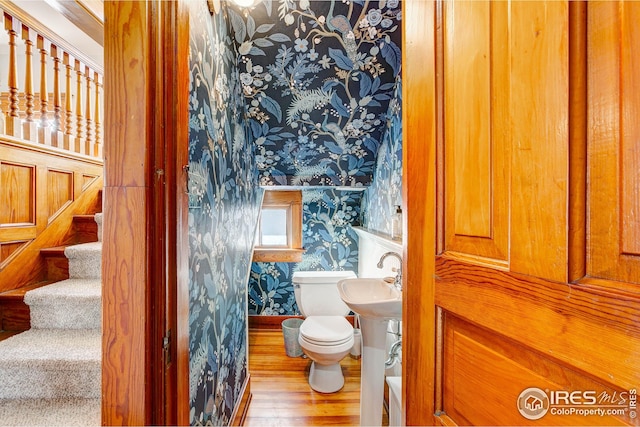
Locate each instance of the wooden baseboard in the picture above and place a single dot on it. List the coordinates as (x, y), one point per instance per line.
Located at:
(240, 412)
(267, 322)
(275, 322)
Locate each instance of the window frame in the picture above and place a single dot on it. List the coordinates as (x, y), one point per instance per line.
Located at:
(291, 201)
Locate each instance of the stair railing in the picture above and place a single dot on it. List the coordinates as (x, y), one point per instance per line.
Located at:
(68, 117)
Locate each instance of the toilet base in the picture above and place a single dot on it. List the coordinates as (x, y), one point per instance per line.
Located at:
(326, 378)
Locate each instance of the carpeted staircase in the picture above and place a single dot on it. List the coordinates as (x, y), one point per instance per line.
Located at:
(50, 374)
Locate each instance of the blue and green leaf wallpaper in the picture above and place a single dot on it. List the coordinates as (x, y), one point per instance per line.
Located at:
(385, 192)
(224, 204)
(330, 244)
(318, 77)
(289, 92)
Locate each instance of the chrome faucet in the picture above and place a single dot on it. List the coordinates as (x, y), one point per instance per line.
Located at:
(398, 280)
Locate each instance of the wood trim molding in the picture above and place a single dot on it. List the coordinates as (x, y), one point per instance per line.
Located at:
(31, 147)
(127, 296)
(278, 255)
(275, 322)
(419, 187)
(577, 237)
(146, 238)
(240, 412)
(179, 318)
(82, 18)
(292, 201)
(17, 233)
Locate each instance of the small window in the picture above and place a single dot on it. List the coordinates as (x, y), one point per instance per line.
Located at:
(279, 235)
(273, 227)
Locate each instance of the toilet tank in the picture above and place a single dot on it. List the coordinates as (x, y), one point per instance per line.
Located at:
(317, 292)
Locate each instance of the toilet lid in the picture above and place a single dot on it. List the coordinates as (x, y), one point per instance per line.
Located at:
(326, 329)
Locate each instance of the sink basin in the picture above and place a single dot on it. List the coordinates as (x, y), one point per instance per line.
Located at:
(371, 298)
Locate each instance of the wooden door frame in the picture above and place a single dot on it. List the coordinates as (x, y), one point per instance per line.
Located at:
(145, 246)
(419, 183)
(130, 295)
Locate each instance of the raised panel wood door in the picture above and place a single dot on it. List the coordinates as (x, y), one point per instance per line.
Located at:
(537, 271)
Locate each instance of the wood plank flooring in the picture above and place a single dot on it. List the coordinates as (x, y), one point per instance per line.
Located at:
(281, 392)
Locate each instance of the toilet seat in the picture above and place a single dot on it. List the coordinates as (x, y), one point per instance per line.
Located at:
(326, 330)
(326, 344)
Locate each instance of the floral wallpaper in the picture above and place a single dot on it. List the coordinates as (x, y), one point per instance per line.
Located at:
(290, 92)
(385, 192)
(224, 203)
(330, 243)
(317, 77)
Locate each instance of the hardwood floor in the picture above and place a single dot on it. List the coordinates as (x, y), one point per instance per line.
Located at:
(281, 392)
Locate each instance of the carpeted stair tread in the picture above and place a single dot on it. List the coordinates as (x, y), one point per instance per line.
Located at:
(50, 412)
(70, 289)
(71, 303)
(98, 219)
(85, 260)
(83, 250)
(51, 363)
(52, 346)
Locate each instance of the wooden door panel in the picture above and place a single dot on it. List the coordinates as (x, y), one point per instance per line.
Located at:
(476, 152)
(539, 121)
(614, 141)
(588, 329)
(536, 112)
(486, 373)
(512, 102)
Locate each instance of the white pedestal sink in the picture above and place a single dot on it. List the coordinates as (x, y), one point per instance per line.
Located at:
(376, 301)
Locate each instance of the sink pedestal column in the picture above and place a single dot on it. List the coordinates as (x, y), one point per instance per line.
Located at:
(374, 332)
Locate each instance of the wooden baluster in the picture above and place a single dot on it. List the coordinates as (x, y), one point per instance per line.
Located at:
(29, 126)
(89, 142)
(13, 125)
(44, 131)
(97, 150)
(57, 138)
(79, 146)
(69, 142)
(2, 116)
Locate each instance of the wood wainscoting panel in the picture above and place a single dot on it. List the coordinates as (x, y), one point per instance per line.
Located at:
(17, 191)
(614, 141)
(26, 265)
(87, 180)
(60, 191)
(476, 149)
(7, 249)
(474, 354)
(39, 195)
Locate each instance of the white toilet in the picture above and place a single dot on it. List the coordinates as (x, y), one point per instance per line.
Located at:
(326, 337)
